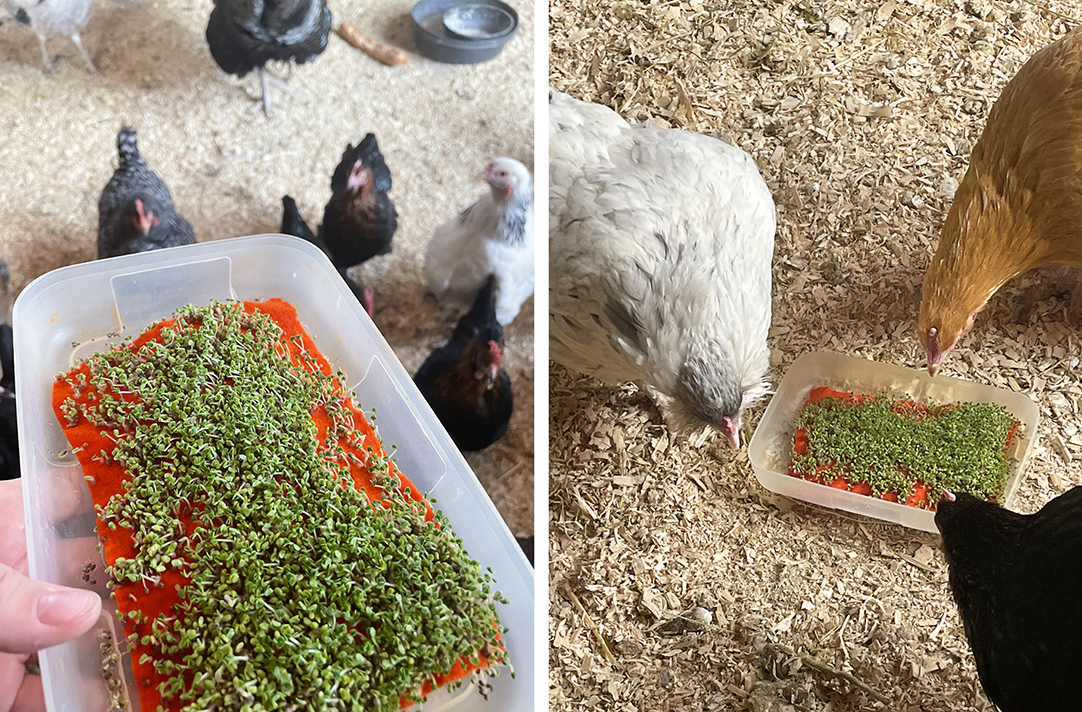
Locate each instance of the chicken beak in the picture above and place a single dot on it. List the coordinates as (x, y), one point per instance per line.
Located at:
(731, 428)
(357, 177)
(935, 356)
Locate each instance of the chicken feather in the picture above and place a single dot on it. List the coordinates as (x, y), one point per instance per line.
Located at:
(1019, 206)
(660, 254)
(1015, 579)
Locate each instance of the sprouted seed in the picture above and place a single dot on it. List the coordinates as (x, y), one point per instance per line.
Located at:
(255, 568)
(893, 446)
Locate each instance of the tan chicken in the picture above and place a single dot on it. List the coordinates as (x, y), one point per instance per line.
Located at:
(1019, 206)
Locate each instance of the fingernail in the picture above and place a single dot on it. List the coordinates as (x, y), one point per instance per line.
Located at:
(61, 606)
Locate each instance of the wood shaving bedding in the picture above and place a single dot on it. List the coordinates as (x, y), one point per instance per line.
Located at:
(861, 117)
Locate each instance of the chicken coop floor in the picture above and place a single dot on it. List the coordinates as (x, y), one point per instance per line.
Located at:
(861, 116)
(227, 168)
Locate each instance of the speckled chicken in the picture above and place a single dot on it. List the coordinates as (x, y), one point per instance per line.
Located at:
(246, 34)
(492, 236)
(47, 17)
(1016, 580)
(293, 224)
(360, 218)
(1019, 206)
(135, 211)
(464, 380)
(660, 246)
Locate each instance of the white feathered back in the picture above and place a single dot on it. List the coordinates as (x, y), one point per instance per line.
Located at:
(660, 255)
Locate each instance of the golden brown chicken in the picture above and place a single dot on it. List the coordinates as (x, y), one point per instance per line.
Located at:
(1019, 206)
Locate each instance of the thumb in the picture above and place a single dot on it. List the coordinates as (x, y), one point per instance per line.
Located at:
(36, 615)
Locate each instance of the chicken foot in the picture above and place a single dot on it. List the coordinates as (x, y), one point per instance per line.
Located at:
(48, 62)
(1054, 282)
(267, 80)
(82, 50)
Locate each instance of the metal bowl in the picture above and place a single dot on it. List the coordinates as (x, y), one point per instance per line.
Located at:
(436, 41)
(477, 21)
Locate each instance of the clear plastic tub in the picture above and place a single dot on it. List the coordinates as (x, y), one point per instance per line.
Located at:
(72, 312)
(770, 449)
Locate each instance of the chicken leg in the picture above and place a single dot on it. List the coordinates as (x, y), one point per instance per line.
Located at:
(266, 80)
(78, 44)
(44, 53)
(82, 50)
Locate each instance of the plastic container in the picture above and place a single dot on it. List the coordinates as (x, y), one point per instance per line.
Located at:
(770, 449)
(435, 41)
(72, 312)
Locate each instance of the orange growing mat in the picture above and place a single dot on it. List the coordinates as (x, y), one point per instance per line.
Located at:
(264, 549)
(901, 450)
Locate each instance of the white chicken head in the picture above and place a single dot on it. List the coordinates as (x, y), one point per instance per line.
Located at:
(507, 178)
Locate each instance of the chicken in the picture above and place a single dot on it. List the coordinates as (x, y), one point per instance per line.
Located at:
(9, 429)
(660, 246)
(526, 544)
(492, 236)
(64, 17)
(293, 224)
(1019, 206)
(246, 34)
(464, 380)
(135, 211)
(1016, 579)
(360, 219)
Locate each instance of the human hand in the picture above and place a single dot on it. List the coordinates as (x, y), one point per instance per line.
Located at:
(33, 615)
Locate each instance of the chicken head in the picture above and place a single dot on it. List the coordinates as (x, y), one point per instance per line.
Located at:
(505, 176)
(359, 176)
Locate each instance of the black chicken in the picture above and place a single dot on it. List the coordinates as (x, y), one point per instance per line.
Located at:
(293, 224)
(246, 34)
(526, 544)
(9, 430)
(463, 380)
(360, 219)
(1017, 579)
(135, 211)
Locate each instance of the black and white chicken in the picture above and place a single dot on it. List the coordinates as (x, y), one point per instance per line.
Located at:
(135, 211)
(293, 224)
(1016, 579)
(464, 380)
(246, 34)
(46, 17)
(360, 219)
(492, 236)
(660, 246)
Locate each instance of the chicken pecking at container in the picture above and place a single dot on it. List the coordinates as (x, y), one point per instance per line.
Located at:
(660, 245)
(1016, 578)
(1019, 206)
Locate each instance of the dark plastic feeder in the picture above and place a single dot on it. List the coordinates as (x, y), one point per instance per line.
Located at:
(463, 32)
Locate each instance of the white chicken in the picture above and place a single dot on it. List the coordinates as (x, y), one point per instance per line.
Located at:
(45, 17)
(660, 246)
(492, 236)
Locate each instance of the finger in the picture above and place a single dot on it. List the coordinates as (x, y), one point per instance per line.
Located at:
(12, 672)
(12, 526)
(30, 697)
(35, 615)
